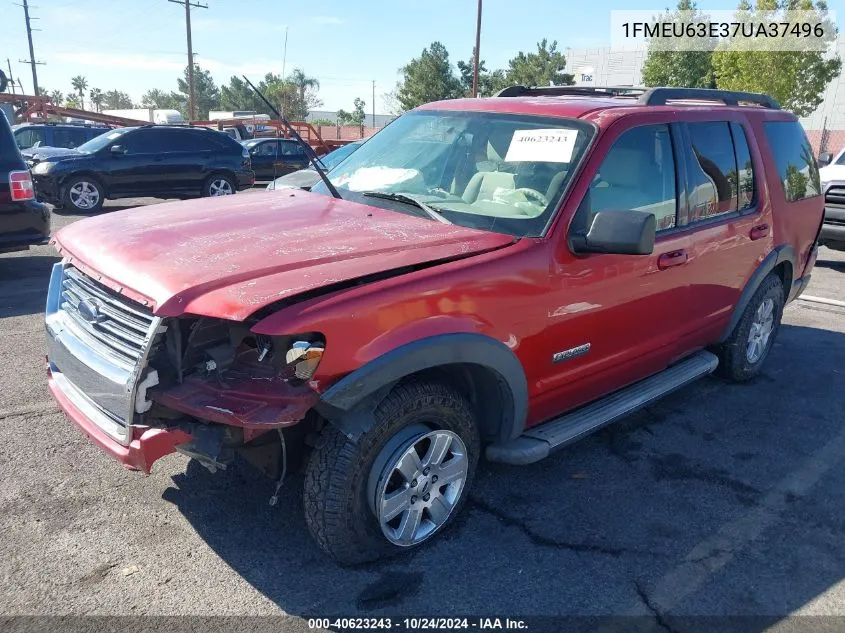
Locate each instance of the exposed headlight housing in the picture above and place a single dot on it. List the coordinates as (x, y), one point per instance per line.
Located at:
(42, 167)
(304, 357)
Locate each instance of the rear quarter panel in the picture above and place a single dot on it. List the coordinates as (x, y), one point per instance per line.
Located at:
(794, 223)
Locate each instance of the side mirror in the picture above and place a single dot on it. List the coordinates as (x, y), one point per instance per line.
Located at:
(619, 232)
(117, 150)
(825, 158)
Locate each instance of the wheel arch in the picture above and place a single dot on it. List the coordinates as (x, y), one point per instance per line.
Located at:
(483, 369)
(87, 173)
(782, 261)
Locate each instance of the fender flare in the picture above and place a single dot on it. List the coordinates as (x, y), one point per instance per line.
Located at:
(780, 254)
(349, 404)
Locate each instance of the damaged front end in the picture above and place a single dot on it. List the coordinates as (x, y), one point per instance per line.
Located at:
(142, 387)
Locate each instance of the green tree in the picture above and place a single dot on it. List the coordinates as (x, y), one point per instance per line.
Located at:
(206, 92)
(72, 101)
(80, 84)
(543, 68)
(298, 95)
(356, 117)
(666, 66)
(96, 96)
(56, 96)
(162, 100)
(319, 122)
(116, 100)
(797, 79)
(489, 82)
(428, 77)
(238, 96)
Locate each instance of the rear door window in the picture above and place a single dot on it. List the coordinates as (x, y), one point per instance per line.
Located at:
(794, 158)
(638, 174)
(291, 148)
(745, 168)
(148, 141)
(712, 170)
(191, 140)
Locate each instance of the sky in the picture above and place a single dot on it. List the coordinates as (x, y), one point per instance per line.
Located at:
(136, 45)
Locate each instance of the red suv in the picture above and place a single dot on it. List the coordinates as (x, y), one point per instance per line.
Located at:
(504, 274)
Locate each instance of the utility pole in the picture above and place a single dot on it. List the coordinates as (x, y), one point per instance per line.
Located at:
(374, 102)
(11, 79)
(477, 55)
(192, 106)
(31, 61)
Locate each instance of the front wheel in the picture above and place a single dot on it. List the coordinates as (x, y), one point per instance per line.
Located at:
(84, 194)
(401, 483)
(218, 185)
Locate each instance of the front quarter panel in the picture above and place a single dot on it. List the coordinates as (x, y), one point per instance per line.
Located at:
(500, 295)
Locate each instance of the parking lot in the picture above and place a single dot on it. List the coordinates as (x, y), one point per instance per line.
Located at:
(719, 499)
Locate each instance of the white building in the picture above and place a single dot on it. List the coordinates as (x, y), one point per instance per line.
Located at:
(623, 67)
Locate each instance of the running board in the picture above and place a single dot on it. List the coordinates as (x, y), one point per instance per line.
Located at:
(537, 442)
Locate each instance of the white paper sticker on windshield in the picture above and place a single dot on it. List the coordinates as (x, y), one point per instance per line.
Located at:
(542, 146)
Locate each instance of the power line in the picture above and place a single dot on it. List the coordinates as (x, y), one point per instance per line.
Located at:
(31, 61)
(192, 108)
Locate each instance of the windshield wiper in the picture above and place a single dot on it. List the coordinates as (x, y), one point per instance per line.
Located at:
(401, 197)
(309, 151)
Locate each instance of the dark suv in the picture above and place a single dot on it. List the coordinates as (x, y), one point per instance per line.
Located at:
(23, 221)
(37, 135)
(153, 160)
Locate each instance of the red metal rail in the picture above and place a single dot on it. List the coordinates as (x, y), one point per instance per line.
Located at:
(31, 105)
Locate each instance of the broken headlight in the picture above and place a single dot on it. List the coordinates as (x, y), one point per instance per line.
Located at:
(304, 357)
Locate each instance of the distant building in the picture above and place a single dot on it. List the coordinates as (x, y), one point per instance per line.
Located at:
(623, 67)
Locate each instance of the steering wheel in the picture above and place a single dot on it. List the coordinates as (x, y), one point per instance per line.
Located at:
(533, 195)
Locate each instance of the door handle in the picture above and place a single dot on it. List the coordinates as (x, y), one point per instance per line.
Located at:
(759, 231)
(675, 258)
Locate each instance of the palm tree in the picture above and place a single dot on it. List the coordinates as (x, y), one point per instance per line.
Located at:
(303, 84)
(96, 96)
(80, 84)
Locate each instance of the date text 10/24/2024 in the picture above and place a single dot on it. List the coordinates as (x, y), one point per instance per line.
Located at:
(418, 624)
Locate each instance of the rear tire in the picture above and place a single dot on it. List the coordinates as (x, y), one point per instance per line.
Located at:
(347, 484)
(218, 185)
(741, 357)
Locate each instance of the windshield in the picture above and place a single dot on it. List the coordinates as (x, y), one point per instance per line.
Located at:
(498, 172)
(99, 142)
(333, 159)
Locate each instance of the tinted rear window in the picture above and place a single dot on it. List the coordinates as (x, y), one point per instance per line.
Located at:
(8, 148)
(793, 154)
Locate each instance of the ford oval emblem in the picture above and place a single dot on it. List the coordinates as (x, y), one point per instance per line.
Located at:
(89, 310)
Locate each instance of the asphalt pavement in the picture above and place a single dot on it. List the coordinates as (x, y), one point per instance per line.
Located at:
(719, 500)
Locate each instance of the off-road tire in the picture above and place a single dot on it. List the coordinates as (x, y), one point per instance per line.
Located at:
(733, 361)
(337, 510)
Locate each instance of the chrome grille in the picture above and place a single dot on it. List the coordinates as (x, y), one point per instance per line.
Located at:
(835, 195)
(119, 327)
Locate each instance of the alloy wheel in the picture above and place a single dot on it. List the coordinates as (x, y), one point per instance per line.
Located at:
(84, 195)
(419, 486)
(761, 331)
(220, 187)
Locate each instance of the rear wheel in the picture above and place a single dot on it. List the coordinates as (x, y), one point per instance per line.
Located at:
(741, 357)
(85, 194)
(401, 483)
(218, 185)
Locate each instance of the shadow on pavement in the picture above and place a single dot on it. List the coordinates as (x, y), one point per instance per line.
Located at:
(719, 500)
(23, 283)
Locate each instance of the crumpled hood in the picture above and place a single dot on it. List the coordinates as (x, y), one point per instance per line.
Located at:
(227, 257)
(38, 154)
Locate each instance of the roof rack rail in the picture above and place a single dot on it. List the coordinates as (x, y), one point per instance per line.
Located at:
(659, 96)
(645, 96)
(561, 91)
